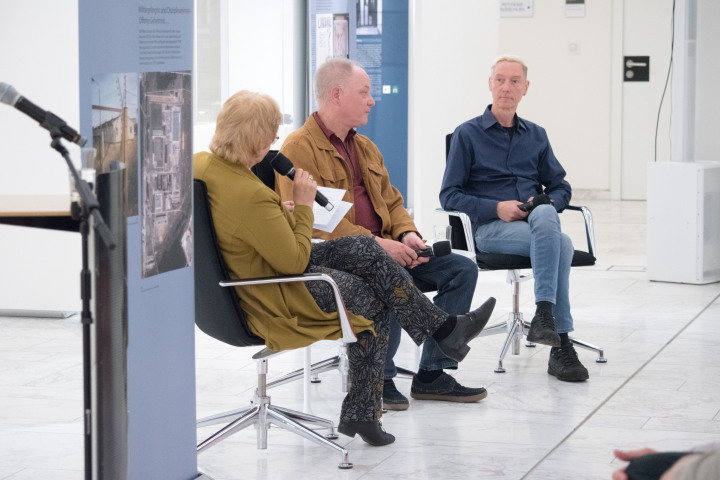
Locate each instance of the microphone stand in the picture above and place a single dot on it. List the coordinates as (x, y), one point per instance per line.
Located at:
(87, 207)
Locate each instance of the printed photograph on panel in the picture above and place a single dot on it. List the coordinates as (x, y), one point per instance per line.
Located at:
(115, 128)
(369, 17)
(323, 38)
(341, 35)
(166, 171)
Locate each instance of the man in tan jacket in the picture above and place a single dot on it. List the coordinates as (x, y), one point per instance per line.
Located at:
(330, 149)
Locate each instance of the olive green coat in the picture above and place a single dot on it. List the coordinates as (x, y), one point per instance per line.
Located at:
(259, 237)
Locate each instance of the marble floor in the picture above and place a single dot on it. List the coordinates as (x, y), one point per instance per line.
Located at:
(657, 389)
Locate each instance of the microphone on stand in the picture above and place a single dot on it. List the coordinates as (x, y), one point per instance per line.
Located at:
(46, 119)
(437, 249)
(285, 167)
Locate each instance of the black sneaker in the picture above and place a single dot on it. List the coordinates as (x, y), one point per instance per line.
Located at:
(445, 388)
(542, 330)
(392, 398)
(565, 364)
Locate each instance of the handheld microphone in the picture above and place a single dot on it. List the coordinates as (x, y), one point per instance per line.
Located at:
(437, 249)
(285, 167)
(46, 119)
(541, 199)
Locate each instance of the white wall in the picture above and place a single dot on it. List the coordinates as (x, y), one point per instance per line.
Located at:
(39, 58)
(39, 269)
(569, 63)
(707, 99)
(646, 31)
(452, 44)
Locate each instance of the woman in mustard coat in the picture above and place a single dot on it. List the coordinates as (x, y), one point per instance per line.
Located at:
(260, 236)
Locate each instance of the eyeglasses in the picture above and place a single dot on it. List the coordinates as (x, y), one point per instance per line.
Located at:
(275, 141)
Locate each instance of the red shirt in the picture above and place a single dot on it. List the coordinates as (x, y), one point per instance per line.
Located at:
(365, 215)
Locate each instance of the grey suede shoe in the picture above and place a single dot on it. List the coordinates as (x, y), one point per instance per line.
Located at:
(445, 389)
(468, 327)
(392, 398)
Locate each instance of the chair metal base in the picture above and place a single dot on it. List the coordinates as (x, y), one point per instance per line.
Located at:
(262, 414)
(406, 372)
(338, 362)
(516, 327)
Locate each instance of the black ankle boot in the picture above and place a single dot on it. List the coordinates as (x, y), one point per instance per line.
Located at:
(370, 431)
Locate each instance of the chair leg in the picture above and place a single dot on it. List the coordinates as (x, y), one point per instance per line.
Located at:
(338, 362)
(306, 418)
(278, 418)
(225, 417)
(326, 365)
(501, 327)
(588, 346)
(514, 328)
(406, 372)
(251, 417)
(519, 331)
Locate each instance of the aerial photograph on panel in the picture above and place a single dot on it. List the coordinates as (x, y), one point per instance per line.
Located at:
(166, 171)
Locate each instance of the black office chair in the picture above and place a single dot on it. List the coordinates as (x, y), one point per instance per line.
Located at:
(516, 326)
(219, 313)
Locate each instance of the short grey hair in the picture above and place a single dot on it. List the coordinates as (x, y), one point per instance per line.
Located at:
(335, 72)
(509, 58)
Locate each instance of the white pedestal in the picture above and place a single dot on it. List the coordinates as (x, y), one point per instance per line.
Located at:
(683, 223)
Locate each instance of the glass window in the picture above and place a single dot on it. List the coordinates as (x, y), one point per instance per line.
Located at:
(244, 45)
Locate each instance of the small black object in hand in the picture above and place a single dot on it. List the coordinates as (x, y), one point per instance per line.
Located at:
(541, 199)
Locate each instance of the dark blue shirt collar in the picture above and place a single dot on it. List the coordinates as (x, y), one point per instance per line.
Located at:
(488, 120)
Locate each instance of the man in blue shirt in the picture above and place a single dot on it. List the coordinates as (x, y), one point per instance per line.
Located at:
(496, 162)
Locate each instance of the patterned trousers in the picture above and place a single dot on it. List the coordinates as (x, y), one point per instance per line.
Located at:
(373, 285)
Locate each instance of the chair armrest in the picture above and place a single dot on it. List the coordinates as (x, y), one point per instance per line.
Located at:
(466, 225)
(348, 335)
(470, 241)
(589, 226)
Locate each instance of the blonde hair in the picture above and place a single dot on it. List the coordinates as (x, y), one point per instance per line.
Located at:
(246, 124)
(509, 58)
(335, 72)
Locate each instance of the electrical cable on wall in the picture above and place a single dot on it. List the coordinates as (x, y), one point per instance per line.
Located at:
(667, 79)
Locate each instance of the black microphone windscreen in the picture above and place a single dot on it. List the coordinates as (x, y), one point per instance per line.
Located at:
(282, 164)
(442, 248)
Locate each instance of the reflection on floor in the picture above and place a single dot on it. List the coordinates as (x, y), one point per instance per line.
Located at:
(658, 388)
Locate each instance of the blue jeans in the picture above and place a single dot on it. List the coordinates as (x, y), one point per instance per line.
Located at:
(550, 252)
(454, 277)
